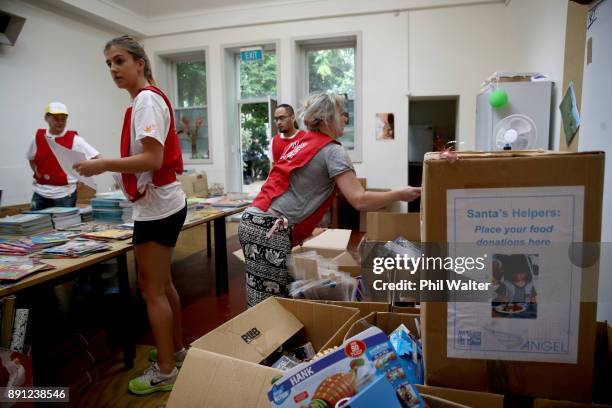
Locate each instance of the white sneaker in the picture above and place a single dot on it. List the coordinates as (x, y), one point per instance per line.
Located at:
(153, 380)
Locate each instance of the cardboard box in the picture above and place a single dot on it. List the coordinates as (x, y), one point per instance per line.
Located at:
(194, 184)
(507, 172)
(471, 399)
(385, 321)
(328, 244)
(386, 226)
(221, 368)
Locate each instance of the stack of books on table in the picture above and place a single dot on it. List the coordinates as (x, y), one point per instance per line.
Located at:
(86, 213)
(61, 216)
(111, 207)
(115, 234)
(76, 248)
(16, 267)
(25, 224)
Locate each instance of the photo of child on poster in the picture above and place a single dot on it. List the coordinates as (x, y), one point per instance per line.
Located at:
(514, 277)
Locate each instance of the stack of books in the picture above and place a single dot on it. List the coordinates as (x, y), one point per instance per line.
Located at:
(25, 224)
(109, 234)
(61, 216)
(16, 267)
(112, 207)
(86, 214)
(74, 249)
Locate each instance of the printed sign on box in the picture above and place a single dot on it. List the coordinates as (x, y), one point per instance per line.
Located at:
(533, 313)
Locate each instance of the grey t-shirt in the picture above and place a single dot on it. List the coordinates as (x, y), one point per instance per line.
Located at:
(312, 184)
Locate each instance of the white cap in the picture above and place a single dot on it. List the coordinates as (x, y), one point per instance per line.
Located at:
(56, 108)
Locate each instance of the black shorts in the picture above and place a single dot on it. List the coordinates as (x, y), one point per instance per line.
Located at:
(164, 231)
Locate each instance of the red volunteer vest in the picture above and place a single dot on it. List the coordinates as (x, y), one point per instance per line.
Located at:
(48, 169)
(173, 158)
(295, 156)
(279, 144)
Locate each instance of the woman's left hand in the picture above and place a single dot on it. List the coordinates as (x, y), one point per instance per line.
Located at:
(90, 168)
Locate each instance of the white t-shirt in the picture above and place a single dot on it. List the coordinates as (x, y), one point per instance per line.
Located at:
(49, 191)
(151, 118)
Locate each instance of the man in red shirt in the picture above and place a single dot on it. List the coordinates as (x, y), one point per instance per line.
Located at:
(288, 132)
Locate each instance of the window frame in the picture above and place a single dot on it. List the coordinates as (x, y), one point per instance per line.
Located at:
(302, 86)
(199, 56)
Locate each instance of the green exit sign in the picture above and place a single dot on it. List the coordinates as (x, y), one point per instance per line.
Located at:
(251, 54)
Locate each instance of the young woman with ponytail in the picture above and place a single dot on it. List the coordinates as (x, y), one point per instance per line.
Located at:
(150, 158)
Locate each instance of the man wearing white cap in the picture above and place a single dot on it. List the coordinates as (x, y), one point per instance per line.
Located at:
(52, 186)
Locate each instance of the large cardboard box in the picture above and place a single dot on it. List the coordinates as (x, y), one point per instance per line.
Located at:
(475, 190)
(386, 226)
(222, 367)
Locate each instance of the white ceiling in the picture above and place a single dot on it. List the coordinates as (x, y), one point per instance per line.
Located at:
(161, 8)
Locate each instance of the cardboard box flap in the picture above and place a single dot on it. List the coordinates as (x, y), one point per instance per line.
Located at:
(324, 324)
(365, 308)
(386, 321)
(472, 399)
(545, 403)
(437, 402)
(329, 243)
(211, 380)
(385, 226)
(254, 334)
(468, 154)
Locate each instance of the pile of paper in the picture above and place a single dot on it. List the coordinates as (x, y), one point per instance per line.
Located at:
(61, 216)
(25, 224)
(74, 249)
(16, 267)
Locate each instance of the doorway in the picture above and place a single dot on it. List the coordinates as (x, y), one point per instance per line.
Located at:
(432, 123)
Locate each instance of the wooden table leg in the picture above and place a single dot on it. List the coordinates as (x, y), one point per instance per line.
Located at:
(129, 346)
(221, 278)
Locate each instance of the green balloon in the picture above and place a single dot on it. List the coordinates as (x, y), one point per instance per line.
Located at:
(498, 98)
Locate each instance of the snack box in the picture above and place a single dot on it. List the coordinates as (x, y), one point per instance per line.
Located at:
(343, 373)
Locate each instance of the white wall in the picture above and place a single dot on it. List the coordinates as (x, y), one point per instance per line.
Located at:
(440, 51)
(55, 58)
(384, 68)
(452, 50)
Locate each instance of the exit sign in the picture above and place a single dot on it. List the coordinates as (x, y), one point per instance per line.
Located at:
(251, 54)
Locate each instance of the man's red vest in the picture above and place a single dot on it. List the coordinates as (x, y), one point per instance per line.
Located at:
(173, 158)
(279, 144)
(295, 156)
(48, 170)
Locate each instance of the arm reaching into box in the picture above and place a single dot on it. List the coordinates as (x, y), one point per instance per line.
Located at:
(363, 200)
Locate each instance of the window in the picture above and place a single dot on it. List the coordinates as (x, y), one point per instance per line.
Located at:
(334, 65)
(258, 78)
(190, 110)
(333, 70)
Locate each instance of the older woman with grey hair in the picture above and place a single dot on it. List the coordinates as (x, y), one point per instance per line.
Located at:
(298, 192)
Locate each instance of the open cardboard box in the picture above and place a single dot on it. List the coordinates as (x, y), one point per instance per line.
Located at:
(222, 367)
(511, 172)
